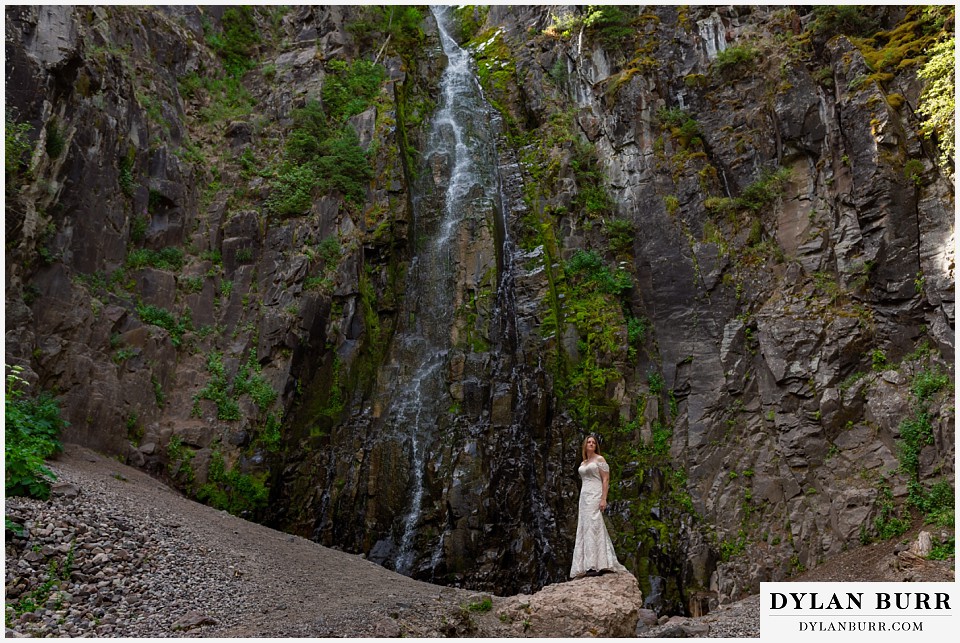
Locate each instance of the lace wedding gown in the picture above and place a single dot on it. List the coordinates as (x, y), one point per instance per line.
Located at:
(593, 549)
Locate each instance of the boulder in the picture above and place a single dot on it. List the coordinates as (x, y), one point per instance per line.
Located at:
(193, 619)
(69, 490)
(923, 545)
(602, 606)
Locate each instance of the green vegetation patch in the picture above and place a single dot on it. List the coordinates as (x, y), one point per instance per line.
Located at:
(938, 100)
(249, 381)
(397, 27)
(732, 59)
(217, 390)
(609, 24)
(169, 258)
(470, 19)
(58, 573)
(848, 20)
(156, 316)
(590, 267)
(224, 98)
(681, 125)
(31, 435)
(593, 304)
(322, 152)
(496, 68)
(237, 41)
(226, 393)
(350, 89)
(232, 490)
(17, 146)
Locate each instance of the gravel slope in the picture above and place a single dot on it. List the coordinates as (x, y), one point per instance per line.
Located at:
(150, 563)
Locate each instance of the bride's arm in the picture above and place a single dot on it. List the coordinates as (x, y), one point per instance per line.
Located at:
(605, 480)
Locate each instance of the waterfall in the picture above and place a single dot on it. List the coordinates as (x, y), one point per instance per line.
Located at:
(458, 152)
(713, 35)
(462, 197)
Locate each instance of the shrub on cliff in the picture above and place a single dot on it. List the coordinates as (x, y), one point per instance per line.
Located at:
(734, 58)
(849, 20)
(32, 434)
(350, 89)
(608, 24)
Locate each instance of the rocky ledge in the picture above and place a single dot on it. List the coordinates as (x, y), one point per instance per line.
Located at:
(604, 606)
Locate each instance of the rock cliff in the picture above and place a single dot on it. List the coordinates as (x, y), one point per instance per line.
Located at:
(720, 237)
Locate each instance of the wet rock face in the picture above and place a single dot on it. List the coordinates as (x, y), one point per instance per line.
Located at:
(784, 270)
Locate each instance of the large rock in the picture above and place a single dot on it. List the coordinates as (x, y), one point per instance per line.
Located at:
(602, 606)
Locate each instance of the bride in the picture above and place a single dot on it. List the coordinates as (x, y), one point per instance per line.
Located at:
(593, 552)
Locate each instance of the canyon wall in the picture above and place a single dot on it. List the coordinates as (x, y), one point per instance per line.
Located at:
(718, 237)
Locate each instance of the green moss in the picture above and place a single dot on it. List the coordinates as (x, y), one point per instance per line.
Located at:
(653, 506)
(496, 68)
(592, 304)
(334, 403)
(672, 204)
(913, 171)
(125, 167)
(470, 19)
(681, 125)
(938, 100)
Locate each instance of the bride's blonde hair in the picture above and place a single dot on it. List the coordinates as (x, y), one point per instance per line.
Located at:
(583, 447)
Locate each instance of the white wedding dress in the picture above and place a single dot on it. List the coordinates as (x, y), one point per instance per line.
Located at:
(593, 549)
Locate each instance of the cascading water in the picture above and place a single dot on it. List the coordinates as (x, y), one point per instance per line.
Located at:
(459, 155)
